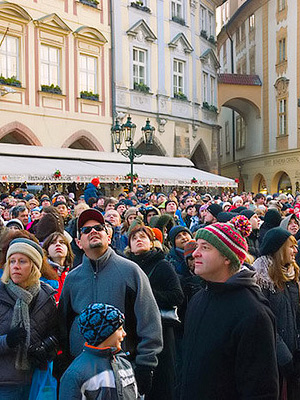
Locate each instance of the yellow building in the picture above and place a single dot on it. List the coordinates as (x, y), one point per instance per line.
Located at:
(55, 68)
(259, 92)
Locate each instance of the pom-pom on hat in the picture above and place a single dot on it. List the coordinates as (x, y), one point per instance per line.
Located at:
(98, 321)
(242, 224)
(29, 248)
(226, 239)
(273, 240)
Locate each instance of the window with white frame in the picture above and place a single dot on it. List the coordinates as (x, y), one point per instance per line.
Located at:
(227, 141)
(139, 65)
(178, 77)
(240, 132)
(282, 50)
(88, 67)
(50, 68)
(203, 18)
(205, 87)
(9, 56)
(211, 24)
(281, 5)
(177, 8)
(251, 22)
(212, 90)
(282, 117)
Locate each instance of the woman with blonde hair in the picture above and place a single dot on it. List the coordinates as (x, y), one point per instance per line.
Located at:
(278, 276)
(28, 319)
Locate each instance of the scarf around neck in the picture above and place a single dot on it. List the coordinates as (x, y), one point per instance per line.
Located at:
(23, 299)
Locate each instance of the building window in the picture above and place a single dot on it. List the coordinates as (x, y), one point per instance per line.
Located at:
(282, 117)
(203, 18)
(177, 8)
(178, 77)
(50, 69)
(212, 90)
(139, 66)
(205, 87)
(211, 24)
(227, 141)
(252, 60)
(88, 73)
(251, 22)
(243, 32)
(282, 50)
(225, 12)
(281, 5)
(9, 56)
(240, 132)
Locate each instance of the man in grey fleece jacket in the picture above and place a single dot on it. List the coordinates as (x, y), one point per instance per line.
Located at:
(106, 277)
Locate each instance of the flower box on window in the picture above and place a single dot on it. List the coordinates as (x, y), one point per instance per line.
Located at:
(179, 20)
(205, 105)
(212, 39)
(13, 81)
(213, 108)
(140, 6)
(89, 95)
(51, 89)
(180, 96)
(141, 87)
(91, 3)
(203, 33)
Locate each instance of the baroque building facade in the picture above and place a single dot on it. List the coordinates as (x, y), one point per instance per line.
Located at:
(259, 92)
(55, 54)
(166, 69)
(69, 68)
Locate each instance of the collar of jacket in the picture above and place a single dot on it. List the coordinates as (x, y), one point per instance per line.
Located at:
(101, 262)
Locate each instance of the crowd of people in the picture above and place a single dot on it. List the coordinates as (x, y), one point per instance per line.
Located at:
(176, 295)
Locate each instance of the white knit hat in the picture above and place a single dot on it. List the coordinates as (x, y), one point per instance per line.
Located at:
(27, 247)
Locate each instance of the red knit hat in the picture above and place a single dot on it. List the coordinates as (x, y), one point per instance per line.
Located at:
(95, 181)
(226, 239)
(158, 234)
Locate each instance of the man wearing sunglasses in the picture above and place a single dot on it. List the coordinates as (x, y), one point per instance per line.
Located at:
(109, 278)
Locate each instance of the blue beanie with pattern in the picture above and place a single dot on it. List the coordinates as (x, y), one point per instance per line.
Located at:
(98, 321)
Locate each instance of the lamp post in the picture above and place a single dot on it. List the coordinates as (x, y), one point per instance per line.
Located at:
(124, 135)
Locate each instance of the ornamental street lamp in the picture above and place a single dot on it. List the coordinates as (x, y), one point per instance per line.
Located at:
(124, 134)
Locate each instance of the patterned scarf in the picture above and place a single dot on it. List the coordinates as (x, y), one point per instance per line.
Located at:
(21, 316)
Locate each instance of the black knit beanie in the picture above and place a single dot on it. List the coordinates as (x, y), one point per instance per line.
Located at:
(247, 213)
(214, 209)
(273, 240)
(175, 231)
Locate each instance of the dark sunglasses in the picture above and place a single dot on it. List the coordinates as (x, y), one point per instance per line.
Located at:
(87, 229)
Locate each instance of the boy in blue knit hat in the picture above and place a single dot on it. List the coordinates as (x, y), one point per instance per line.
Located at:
(101, 371)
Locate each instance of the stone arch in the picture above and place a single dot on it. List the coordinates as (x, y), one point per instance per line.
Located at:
(200, 156)
(156, 149)
(259, 184)
(241, 106)
(83, 140)
(17, 133)
(281, 182)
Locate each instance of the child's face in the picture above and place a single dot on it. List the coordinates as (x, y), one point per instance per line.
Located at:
(116, 339)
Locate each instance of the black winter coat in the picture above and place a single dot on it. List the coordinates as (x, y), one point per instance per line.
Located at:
(43, 323)
(229, 343)
(167, 292)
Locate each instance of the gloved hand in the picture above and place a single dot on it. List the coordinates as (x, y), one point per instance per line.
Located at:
(46, 351)
(16, 336)
(143, 376)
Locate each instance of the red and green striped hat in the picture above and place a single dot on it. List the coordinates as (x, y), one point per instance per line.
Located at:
(226, 239)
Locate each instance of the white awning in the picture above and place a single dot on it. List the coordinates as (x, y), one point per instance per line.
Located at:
(20, 163)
